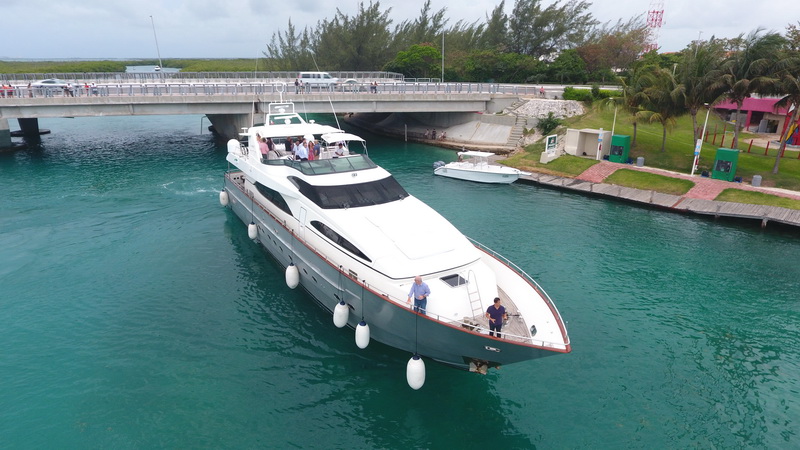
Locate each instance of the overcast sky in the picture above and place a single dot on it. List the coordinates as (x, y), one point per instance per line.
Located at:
(48, 29)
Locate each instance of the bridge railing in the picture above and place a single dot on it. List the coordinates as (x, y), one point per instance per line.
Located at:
(164, 77)
(176, 88)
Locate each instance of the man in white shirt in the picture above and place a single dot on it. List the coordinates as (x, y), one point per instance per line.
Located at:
(301, 153)
(339, 150)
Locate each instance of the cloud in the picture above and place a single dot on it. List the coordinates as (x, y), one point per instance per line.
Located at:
(241, 28)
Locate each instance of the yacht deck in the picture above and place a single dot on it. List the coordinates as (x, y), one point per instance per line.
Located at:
(514, 329)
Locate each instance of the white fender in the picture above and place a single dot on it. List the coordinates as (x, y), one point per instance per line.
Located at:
(234, 146)
(223, 197)
(415, 372)
(362, 334)
(340, 314)
(252, 230)
(292, 276)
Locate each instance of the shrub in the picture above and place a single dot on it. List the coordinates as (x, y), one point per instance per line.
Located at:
(607, 93)
(581, 95)
(548, 124)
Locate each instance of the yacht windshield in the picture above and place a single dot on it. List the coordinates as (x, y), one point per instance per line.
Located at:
(352, 195)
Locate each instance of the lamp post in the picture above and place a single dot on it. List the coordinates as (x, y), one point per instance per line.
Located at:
(599, 145)
(614, 124)
(697, 44)
(699, 143)
(442, 56)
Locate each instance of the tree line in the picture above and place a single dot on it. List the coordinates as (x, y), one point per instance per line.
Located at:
(561, 42)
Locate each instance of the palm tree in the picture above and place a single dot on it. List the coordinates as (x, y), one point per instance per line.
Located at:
(633, 93)
(789, 86)
(698, 71)
(743, 68)
(663, 101)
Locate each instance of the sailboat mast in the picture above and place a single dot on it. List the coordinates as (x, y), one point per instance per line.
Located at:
(156, 38)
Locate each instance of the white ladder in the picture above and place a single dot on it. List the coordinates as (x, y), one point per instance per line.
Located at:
(474, 295)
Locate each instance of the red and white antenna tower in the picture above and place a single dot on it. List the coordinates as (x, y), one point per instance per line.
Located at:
(655, 18)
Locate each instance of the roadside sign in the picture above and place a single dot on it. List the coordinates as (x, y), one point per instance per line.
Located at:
(551, 144)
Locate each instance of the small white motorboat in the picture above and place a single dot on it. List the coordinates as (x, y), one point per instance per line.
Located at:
(474, 166)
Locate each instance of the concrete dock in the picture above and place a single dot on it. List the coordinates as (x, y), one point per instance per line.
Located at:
(698, 200)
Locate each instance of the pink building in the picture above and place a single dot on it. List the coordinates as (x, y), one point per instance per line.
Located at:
(757, 114)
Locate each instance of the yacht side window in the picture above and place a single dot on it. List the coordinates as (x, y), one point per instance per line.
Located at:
(338, 239)
(275, 197)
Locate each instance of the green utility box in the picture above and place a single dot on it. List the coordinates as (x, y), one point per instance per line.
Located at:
(725, 164)
(620, 148)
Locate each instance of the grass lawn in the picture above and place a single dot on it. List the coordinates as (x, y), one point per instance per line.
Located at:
(650, 182)
(564, 166)
(679, 149)
(757, 198)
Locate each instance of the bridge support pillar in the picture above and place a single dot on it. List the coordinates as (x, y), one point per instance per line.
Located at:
(229, 125)
(5, 134)
(29, 127)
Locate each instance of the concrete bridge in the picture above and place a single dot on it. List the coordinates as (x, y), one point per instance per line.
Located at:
(231, 105)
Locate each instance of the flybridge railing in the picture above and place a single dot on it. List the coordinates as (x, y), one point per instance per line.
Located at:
(132, 77)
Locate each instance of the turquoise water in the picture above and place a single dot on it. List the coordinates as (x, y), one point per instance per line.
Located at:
(137, 314)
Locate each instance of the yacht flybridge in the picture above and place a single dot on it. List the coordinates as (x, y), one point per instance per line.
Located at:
(340, 226)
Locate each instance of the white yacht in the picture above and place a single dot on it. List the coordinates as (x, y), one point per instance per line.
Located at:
(354, 240)
(474, 166)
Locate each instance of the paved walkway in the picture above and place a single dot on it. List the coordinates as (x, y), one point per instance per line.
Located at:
(705, 188)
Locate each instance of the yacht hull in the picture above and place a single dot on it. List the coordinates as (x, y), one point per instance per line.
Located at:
(478, 176)
(392, 323)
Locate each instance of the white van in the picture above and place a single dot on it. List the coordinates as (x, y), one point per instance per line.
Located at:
(309, 79)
